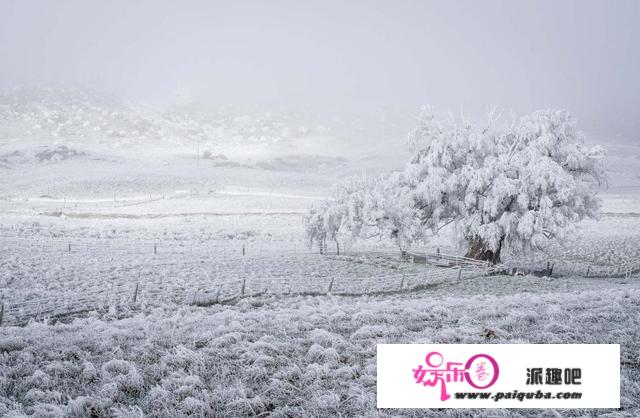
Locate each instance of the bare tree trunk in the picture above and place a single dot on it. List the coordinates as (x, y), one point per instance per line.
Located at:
(478, 250)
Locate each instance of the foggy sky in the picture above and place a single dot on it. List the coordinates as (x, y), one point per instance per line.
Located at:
(579, 55)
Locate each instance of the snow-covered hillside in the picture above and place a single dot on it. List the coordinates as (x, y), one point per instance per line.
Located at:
(83, 117)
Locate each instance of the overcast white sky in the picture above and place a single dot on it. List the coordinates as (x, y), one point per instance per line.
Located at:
(520, 55)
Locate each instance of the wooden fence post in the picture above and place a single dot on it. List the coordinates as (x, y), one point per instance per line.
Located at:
(588, 269)
(243, 251)
(330, 286)
(1, 313)
(244, 282)
(135, 294)
(155, 248)
(401, 282)
(459, 272)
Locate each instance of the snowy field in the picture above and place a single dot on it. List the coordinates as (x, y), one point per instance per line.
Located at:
(160, 283)
(296, 356)
(277, 353)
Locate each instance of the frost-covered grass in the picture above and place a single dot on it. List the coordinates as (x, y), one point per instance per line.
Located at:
(606, 245)
(197, 252)
(43, 264)
(56, 265)
(295, 356)
(611, 241)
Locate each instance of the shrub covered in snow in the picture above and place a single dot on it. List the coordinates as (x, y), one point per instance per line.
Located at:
(364, 208)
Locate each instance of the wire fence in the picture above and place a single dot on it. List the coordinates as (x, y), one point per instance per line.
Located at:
(560, 267)
(103, 272)
(231, 289)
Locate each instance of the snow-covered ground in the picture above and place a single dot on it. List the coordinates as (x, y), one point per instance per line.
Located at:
(296, 356)
(89, 222)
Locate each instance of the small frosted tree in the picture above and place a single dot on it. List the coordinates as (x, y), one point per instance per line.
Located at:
(315, 231)
(513, 185)
(363, 208)
(340, 215)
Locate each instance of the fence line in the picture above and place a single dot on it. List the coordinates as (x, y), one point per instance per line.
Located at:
(224, 281)
(567, 268)
(149, 246)
(17, 313)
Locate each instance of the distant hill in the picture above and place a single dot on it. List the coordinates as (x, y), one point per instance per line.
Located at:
(80, 116)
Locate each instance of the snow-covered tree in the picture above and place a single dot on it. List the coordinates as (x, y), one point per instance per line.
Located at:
(364, 208)
(513, 185)
(517, 184)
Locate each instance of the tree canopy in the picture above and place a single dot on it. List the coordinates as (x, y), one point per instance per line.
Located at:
(515, 184)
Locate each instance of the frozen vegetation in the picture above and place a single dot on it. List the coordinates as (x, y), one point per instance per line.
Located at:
(90, 213)
(295, 356)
